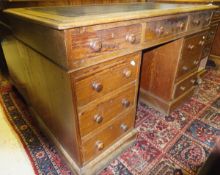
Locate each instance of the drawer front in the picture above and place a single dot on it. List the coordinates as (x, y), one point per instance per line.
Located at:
(107, 136)
(216, 15)
(91, 42)
(191, 53)
(96, 116)
(185, 85)
(165, 28)
(211, 34)
(105, 78)
(199, 20)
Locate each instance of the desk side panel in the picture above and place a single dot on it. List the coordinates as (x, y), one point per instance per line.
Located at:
(47, 89)
(47, 41)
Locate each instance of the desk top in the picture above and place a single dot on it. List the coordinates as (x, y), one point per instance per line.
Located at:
(65, 17)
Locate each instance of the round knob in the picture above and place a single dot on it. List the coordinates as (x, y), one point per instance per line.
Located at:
(191, 47)
(96, 45)
(125, 103)
(183, 88)
(185, 68)
(99, 145)
(207, 20)
(201, 43)
(127, 73)
(195, 62)
(97, 86)
(181, 25)
(131, 38)
(124, 127)
(193, 81)
(160, 30)
(196, 22)
(98, 118)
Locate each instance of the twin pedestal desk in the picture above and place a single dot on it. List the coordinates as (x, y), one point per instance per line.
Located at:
(81, 69)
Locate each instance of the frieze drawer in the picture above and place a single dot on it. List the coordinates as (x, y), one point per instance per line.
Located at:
(165, 28)
(87, 43)
(199, 20)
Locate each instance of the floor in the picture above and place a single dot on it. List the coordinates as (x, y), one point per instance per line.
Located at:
(181, 141)
(13, 157)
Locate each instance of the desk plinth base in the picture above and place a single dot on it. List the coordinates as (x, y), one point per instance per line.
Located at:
(98, 163)
(161, 105)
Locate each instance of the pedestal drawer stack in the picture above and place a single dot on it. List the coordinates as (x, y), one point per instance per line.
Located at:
(106, 102)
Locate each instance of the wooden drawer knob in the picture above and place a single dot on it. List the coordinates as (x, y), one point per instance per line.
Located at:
(184, 68)
(95, 45)
(183, 88)
(181, 25)
(99, 145)
(97, 86)
(191, 47)
(201, 43)
(193, 81)
(127, 73)
(196, 21)
(124, 127)
(212, 32)
(131, 38)
(160, 30)
(98, 118)
(207, 20)
(195, 62)
(125, 103)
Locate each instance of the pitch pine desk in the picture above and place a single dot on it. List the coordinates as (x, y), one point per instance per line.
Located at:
(79, 69)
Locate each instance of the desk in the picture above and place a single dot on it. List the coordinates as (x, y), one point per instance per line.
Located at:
(79, 69)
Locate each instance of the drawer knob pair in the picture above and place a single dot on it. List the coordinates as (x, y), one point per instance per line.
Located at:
(99, 145)
(98, 118)
(124, 127)
(126, 103)
(96, 46)
(97, 86)
(131, 38)
(127, 73)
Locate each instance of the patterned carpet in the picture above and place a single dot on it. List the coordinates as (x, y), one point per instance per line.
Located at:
(182, 140)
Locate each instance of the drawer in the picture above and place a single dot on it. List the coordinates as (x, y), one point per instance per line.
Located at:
(216, 15)
(105, 137)
(106, 77)
(211, 34)
(191, 53)
(97, 115)
(87, 43)
(184, 85)
(199, 20)
(165, 27)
